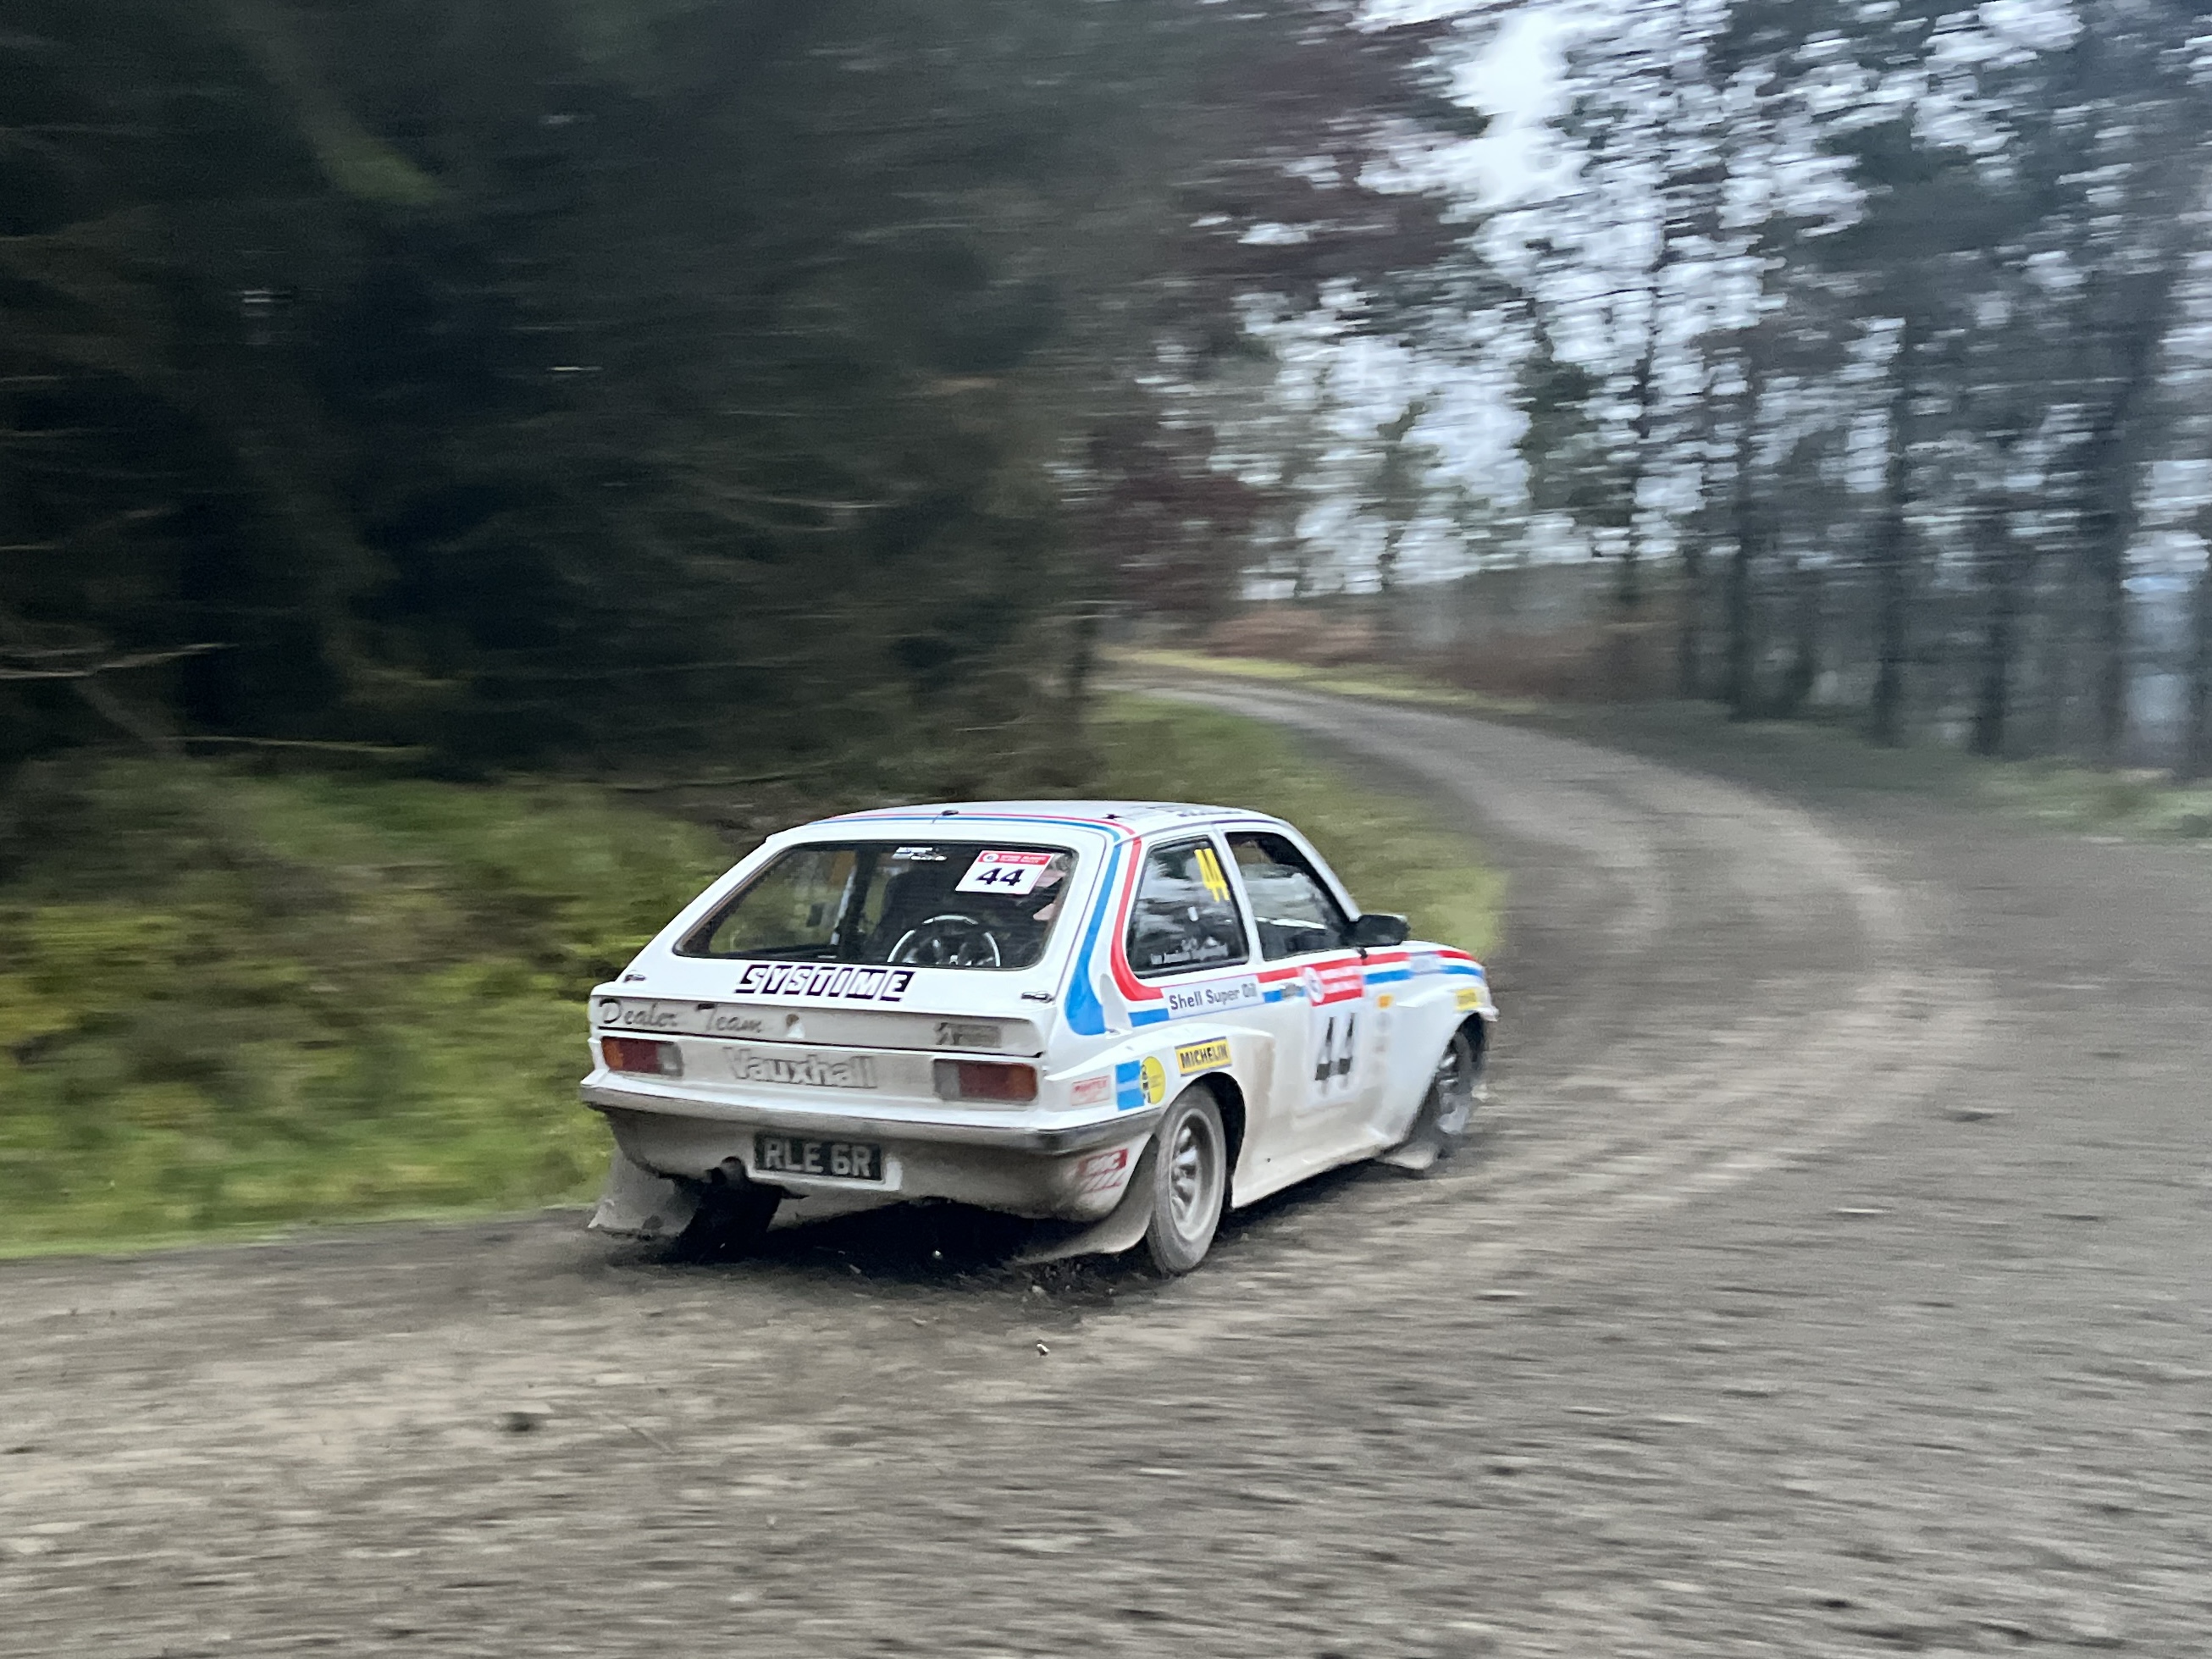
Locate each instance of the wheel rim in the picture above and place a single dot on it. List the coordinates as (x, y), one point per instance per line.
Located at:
(1194, 1176)
(1453, 1086)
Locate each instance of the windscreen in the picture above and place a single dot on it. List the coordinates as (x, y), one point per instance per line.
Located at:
(936, 905)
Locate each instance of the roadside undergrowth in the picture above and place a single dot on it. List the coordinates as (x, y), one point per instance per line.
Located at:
(230, 1002)
(233, 1003)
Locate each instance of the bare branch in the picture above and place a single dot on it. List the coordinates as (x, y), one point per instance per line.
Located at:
(113, 665)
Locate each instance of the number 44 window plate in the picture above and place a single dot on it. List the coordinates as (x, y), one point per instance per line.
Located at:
(1003, 873)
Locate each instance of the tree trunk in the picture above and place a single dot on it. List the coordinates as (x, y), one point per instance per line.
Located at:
(1690, 623)
(1888, 554)
(1694, 543)
(2114, 457)
(2003, 580)
(1738, 683)
(1082, 662)
(1806, 600)
(2197, 699)
(1739, 688)
(1625, 665)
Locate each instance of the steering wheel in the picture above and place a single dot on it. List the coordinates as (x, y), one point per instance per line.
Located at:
(951, 940)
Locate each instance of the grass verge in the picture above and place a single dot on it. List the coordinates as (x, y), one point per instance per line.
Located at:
(1367, 680)
(232, 1003)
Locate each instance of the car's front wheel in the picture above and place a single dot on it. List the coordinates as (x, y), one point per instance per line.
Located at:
(1447, 1109)
(1191, 1182)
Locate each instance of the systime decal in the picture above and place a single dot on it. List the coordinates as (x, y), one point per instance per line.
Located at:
(807, 979)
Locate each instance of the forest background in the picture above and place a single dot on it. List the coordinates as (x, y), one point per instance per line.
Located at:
(437, 435)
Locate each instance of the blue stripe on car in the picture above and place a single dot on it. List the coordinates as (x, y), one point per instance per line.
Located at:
(1086, 1015)
(1128, 1090)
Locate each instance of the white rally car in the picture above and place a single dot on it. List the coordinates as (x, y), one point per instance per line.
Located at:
(1121, 1016)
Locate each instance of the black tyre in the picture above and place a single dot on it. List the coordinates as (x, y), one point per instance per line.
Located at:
(1190, 1182)
(732, 1217)
(1449, 1107)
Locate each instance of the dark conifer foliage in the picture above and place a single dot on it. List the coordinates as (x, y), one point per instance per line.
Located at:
(601, 382)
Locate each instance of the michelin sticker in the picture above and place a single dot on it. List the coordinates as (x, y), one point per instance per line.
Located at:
(1202, 1056)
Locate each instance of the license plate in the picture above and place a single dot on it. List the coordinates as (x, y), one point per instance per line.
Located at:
(829, 1160)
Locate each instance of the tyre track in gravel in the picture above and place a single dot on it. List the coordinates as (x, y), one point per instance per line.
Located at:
(295, 1446)
(1840, 1012)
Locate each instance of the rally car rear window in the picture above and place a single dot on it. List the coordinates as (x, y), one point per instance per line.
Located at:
(934, 905)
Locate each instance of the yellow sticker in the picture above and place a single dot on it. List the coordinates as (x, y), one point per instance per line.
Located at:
(1468, 1000)
(1209, 872)
(1153, 1077)
(1202, 1056)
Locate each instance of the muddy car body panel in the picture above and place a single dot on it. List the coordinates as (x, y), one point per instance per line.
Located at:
(995, 1004)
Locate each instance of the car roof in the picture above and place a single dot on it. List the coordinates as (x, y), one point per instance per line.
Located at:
(1137, 818)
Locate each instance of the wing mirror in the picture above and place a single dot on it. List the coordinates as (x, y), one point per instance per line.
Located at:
(1379, 930)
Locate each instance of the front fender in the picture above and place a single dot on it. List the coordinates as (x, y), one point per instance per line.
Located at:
(1422, 1019)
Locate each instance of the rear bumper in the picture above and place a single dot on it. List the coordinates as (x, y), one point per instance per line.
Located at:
(1061, 1169)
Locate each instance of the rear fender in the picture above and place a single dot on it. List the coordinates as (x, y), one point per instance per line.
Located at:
(635, 1203)
(1122, 1228)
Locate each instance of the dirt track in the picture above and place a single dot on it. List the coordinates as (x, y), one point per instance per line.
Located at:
(1834, 1278)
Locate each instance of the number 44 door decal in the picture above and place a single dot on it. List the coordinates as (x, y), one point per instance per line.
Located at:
(1333, 1062)
(1335, 996)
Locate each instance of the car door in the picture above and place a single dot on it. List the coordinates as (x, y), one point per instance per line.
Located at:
(1326, 1029)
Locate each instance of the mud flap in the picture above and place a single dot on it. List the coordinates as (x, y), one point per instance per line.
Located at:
(1418, 1153)
(1428, 1146)
(1124, 1228)
(637, 1203)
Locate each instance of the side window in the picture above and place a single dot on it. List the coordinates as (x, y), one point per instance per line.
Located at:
(1185, 915)
(1293, 906)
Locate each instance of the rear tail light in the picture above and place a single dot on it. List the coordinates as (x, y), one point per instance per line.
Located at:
(985, 1079)
(642, 1055)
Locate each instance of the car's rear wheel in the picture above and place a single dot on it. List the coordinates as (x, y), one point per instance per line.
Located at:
(1191, 1182)
(732, 1217)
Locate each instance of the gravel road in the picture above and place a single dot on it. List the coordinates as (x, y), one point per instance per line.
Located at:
(1832, 1276)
